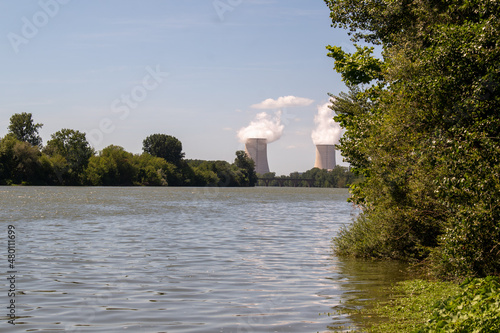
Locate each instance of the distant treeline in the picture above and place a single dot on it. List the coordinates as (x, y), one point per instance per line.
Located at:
(68, 159)
(337, 177)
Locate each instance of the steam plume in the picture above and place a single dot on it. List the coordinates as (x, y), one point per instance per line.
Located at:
(283, 102)
(263, 126)
(327, 131)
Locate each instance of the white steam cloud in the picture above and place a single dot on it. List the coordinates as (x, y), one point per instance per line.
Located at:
(283, 102)
(264, 126)
(327, 131)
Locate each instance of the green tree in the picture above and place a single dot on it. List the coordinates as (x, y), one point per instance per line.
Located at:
(267, 175)
(73, 146)
(114, 166)
(205, 177)
(247, 165)
(7, 163)
(155, 171)
(164, 146)
(221, 173)
(358, 68)
(54, 168)
(19, 162)
(24, 129)
(423, 128)
(27, 169)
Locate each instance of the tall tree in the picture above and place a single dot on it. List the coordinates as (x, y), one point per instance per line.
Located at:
(24, 129)
(73, 146)
(164, 146)
(244, 162)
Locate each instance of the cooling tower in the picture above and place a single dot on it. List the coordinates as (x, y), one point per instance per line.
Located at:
(257, 150)
(325, 157)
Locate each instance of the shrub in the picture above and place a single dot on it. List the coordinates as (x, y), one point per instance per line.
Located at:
(475, 309)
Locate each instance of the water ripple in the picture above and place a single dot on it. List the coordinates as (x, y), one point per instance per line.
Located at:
(175, 259)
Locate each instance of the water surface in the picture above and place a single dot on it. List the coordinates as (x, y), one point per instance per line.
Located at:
(179, 259)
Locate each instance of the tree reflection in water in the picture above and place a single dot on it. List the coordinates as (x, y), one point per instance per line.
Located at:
(363, 284)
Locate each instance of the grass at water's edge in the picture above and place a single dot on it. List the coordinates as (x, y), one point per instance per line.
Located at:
(428, 306)
(411, 305)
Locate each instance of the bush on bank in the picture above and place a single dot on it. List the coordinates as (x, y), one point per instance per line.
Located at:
(475, 309)
(423, 128)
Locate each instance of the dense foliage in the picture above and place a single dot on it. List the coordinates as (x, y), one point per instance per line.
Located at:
(337, 177)
(475, 309)
(68, 159)
(164, 146)
(423, 128)
(423, 306)
(222, 173)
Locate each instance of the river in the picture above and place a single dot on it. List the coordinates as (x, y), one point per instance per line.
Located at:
(136, 259)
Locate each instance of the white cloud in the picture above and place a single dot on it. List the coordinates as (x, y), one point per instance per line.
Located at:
(283, 102)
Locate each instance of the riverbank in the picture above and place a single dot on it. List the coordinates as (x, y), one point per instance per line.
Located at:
(434, 306)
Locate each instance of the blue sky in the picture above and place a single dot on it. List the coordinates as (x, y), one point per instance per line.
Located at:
(121, 70)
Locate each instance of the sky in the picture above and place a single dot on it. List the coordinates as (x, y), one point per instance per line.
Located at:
(199, 70)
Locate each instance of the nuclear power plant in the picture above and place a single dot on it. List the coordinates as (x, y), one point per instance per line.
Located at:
(325, 157)
(265, 129)
(256, 149)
